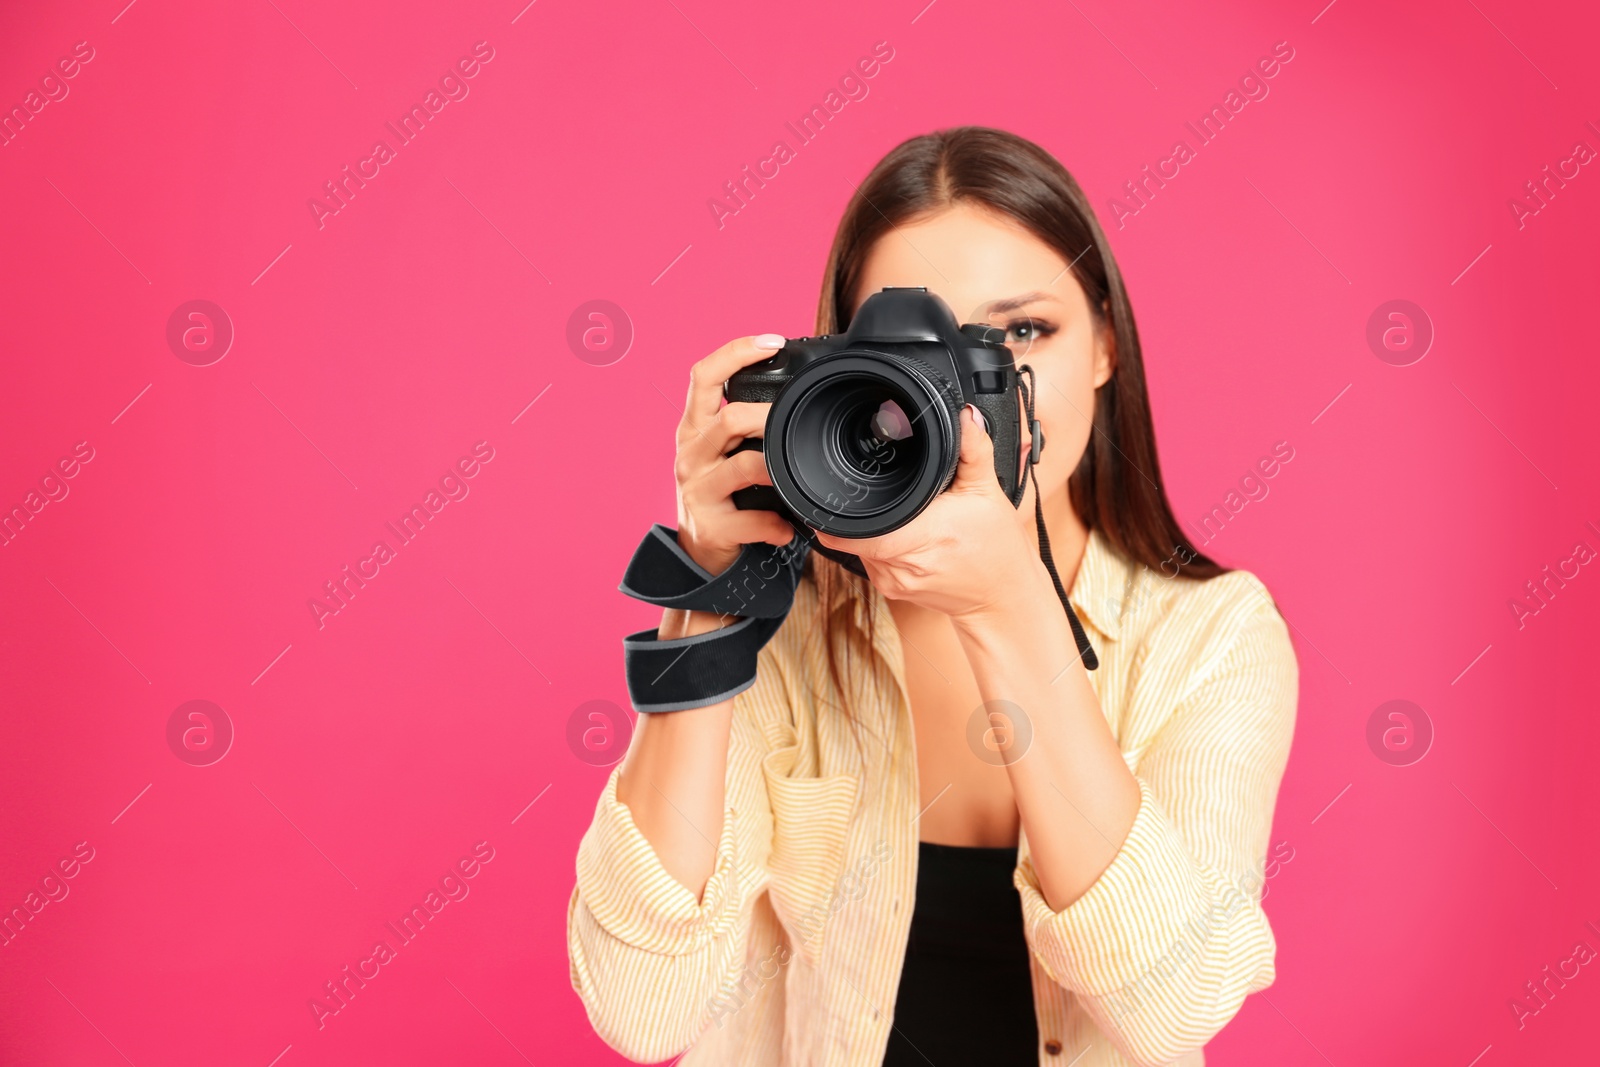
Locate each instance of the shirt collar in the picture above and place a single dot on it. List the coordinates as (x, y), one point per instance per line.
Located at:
(1099, 591)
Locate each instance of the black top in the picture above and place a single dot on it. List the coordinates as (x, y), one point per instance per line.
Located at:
(966, 992)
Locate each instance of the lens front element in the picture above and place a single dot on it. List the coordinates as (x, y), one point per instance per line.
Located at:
(866, 441)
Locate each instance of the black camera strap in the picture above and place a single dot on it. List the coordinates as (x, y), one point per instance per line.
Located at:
(692, 672)
(1036, 432)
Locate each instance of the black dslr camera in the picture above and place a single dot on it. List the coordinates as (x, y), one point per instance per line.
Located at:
(865, 430)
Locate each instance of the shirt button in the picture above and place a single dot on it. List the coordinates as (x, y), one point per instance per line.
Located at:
(1053, 1047)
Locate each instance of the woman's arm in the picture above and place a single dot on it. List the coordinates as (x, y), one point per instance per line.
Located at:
(677, 852)
(648, 955)
(673, 776)
(1074, 791)
(1168, 937)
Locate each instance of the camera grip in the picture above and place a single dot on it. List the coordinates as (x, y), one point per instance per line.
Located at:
(756, 497)
(1002, 413)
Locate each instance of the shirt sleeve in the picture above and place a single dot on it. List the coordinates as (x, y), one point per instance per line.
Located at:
(645, 957)
(1163, 948)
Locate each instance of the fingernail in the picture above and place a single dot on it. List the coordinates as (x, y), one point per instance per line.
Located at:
(977, 417)
(769, 340)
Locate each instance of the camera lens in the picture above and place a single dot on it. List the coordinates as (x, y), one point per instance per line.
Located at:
(863, 452)
(860, 442)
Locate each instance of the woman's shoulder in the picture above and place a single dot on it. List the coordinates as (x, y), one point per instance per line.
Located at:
(1203, 620)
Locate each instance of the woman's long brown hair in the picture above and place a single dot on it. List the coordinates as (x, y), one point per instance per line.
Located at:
(1117, 487)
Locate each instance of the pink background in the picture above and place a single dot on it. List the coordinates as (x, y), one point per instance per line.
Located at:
(372, 753)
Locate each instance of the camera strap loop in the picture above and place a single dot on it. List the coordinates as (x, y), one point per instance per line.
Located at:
(1085, 649)
(691, 672)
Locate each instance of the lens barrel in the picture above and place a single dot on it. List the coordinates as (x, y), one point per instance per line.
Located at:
(861, 441)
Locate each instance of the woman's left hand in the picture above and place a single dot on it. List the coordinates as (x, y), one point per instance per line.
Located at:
(970, 553)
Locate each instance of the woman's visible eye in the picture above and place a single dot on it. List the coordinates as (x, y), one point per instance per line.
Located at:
(1028, 330)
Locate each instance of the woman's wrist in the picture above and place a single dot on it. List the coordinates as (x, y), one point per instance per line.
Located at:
(678, 623)
(1019, 603)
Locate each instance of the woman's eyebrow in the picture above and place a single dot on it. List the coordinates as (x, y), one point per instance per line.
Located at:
(999, 307)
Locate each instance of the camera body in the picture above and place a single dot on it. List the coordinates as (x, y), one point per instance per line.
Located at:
(864, 430)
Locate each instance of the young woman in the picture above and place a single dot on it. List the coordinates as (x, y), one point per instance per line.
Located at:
(926, 833)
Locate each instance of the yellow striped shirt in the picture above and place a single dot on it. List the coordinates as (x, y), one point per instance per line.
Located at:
(793, 954)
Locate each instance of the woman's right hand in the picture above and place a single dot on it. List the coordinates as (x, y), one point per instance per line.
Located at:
(711, 528)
